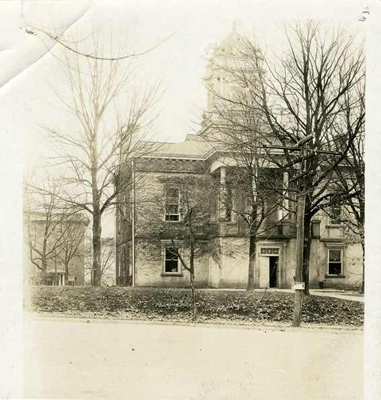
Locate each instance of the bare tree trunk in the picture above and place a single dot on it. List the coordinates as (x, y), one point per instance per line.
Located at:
(362, 289)
(192, 276)
(97, 231)
(44, 264)
(252, 251)
(194, 305)
(306, 254)
(125, 269)
(66, 273)
(55, 272)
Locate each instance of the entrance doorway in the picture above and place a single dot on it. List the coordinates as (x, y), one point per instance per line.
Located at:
(273, 271)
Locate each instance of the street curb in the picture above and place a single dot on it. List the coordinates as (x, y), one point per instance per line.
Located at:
(263, 327)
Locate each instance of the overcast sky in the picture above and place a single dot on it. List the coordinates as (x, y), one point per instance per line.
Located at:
(179, 62)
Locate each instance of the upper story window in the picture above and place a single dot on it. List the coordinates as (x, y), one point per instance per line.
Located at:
(335, 215)
(229, 203)
(335, 261)
(172, 204)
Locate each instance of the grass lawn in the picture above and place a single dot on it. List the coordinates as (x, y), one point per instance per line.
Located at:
(175, 305)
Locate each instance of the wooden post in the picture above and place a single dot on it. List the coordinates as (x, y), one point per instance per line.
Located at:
(299, 245)
(299, 260)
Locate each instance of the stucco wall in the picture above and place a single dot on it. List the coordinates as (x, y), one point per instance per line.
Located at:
(149, 265)
(149, 257)
(352, 266)
(334, 237)
(231, 268)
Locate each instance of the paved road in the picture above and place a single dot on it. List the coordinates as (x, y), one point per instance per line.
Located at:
(70, 359)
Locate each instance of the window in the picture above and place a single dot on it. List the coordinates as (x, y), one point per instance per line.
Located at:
(335, 262)
(248, 202)
(229, 203)
(172, 204)
(335, 216)
(272, 210)
(171, 261)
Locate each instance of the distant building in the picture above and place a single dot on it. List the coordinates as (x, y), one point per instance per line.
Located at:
(107, 262)
(54, 248)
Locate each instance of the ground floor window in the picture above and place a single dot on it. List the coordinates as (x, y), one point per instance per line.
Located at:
(71, 281)
(172, 264)
(335, 261)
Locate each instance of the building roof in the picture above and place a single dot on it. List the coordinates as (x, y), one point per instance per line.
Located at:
(230, 43)
(194, 147)
(40, 216)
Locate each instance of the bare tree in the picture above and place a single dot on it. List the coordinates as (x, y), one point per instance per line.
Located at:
(253, 192)
(314, 90)
(350, 176)
(304, 94)
(112, 114)
(72, 248)
(193, 234)
(107, 258)
(54, 234)
(43, 220)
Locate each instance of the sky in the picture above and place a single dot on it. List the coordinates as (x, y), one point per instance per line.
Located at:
(187, 28)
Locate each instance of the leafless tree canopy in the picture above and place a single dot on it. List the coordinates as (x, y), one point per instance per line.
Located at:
(53, 233)
(112, 114)
(315, 89)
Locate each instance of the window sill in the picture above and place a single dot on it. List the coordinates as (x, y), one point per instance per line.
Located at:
(166, 275)
(335, 276)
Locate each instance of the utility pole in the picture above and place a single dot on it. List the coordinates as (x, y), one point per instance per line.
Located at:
(299, 284)
(305, 153)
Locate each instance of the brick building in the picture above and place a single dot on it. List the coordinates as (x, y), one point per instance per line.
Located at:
(335, 262)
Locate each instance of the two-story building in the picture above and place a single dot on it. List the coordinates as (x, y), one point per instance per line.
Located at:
(335, 262)
(54, 249)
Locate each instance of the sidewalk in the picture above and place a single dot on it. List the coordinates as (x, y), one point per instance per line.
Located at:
(335, 293)
(339, 294)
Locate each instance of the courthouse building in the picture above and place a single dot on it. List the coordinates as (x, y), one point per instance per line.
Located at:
(335, 262)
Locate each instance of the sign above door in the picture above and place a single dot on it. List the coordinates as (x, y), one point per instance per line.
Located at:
(270, 251)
